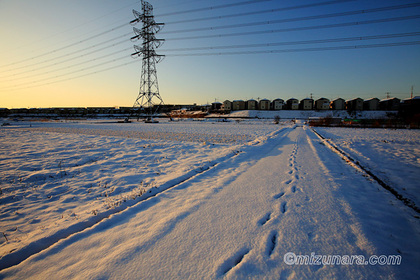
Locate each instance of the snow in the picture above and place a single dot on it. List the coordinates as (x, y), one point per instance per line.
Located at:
(393, 155)
(55, 175)
(226, 200)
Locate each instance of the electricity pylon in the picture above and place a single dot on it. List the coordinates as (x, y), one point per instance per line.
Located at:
(148, 99)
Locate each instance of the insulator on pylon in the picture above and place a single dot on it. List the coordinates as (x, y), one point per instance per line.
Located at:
(138, 33)
(159, 58)
(138, 17)
(139, 51)
(158, 43)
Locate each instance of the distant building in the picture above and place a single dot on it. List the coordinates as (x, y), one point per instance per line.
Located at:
(322, 104)
(354, 104)
(410, 109)
(264, 104)
(371, 104)
(227, 105)
(238, 105)
(390, 104)
(252, 104)
(216, 106)
(278, 104)
(306, 104)
(292, 104)
(338, 104)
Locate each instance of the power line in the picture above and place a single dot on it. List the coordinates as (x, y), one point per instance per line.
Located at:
(273, 51)
(249, 45)
(66, 55)
(76, 71)
(76, 77)
(212, 8)
(125, 24)
(237, 46)
(67, 46)
(82, 24)
(319, 41)
(268, 22)
(214, 28)
(243, 14)
(67, 66)
(352, 47)
(292, 29)
(261, 12)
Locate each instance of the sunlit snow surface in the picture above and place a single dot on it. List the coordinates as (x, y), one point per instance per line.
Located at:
(393, 155)
(55, 174)
(224, 200)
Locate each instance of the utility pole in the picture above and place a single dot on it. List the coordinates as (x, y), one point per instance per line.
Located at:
(412, 88)
(148, 99)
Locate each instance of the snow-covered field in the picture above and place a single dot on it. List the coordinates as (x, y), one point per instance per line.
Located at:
(393, 155)
(55, 175)
(202, 200)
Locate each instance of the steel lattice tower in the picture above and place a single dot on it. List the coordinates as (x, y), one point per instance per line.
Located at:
(148, 99)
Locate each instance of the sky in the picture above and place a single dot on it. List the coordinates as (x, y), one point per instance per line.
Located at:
(60, 53)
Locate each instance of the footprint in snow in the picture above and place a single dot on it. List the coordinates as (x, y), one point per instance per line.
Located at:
(283, 207)
(271, 243)
(277, 196)
(232, 262)
(264, 219)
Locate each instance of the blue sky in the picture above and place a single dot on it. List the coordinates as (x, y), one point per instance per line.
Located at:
(55, 52)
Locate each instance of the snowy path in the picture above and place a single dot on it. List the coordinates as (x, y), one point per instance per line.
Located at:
(238, 219)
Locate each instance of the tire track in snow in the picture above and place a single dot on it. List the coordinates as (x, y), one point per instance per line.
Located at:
(18, 256)
(357, 165)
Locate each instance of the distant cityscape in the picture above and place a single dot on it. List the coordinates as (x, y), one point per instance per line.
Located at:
(410, 105)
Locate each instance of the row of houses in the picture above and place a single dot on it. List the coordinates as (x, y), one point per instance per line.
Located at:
(407, 107)
(357, 104)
